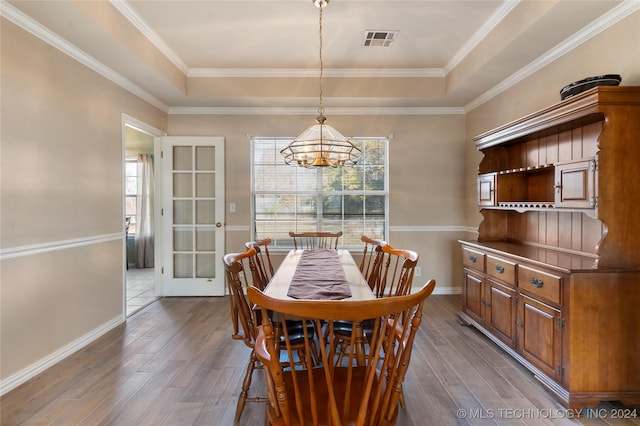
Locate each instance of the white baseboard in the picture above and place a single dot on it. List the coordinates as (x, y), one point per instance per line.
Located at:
(33, 370)
(447, 290)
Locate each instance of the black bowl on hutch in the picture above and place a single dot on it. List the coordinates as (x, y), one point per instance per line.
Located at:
(580, 86)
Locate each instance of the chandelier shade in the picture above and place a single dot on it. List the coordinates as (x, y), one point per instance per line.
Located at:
(321, 145)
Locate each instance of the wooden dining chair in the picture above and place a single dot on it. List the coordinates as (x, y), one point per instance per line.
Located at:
(240, 276)
(365, 394)
(262, 268)
(391, 275)
(315, 240)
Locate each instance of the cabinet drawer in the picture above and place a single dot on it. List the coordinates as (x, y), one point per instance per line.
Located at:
(473, 259)
(539, 283)
(501, 269)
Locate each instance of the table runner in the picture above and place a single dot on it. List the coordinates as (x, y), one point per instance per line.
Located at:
(319, 275)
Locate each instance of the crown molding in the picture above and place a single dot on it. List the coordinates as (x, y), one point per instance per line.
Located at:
(128, 12)
(313, 73)
(610, 18)
(314, 111)
(25, 22)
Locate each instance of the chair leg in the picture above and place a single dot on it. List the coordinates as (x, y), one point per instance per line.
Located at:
(246, 384)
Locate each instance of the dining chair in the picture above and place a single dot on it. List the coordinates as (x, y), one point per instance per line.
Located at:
(239, 278)
(315, 240)
(262, 268)
(365, 394)
(392, 275)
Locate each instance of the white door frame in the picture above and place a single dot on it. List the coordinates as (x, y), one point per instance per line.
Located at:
(130, 121)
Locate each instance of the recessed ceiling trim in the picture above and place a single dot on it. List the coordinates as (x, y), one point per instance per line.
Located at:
(610, 18)
(30, 25)
(136, 20)
(314, 111)
(303, 72)
(504, 9)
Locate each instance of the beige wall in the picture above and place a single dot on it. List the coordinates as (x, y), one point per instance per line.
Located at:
(61, 275)
(425, 177)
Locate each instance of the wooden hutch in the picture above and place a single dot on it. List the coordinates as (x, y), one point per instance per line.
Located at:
(554, 277)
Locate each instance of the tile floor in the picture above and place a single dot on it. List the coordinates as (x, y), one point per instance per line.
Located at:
(140, 289)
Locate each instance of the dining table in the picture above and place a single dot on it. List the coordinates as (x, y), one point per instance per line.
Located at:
(322, 274)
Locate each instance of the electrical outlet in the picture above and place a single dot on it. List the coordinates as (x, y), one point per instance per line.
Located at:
(417, 272)
(232, 207)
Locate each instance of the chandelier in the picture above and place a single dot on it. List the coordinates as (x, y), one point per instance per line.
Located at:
(321, 145)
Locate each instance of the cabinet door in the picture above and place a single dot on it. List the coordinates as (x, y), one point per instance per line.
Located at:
(575, 184)
(540, 336)
(501, 311)
(473, 296)
(487, 189)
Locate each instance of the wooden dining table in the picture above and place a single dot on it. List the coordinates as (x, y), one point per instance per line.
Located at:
(280, 285)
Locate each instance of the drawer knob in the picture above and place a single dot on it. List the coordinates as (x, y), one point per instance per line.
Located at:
(473, 259)
(500, 269)
(536, 282)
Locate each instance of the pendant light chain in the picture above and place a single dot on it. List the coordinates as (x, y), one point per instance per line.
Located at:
(321, 108)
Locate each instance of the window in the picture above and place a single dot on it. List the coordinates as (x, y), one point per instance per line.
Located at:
(131, 192)
(350, 199)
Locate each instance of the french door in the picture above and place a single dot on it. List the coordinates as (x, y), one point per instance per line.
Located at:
(192, 215)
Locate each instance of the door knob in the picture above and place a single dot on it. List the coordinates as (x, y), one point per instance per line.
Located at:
(218, 224)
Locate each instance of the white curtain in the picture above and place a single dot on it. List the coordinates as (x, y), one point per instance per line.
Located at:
(144, 218)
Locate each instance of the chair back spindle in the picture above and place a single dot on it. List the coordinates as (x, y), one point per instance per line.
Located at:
(315, 240)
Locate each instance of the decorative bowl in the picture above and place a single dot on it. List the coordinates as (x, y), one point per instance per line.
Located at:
(582, 85)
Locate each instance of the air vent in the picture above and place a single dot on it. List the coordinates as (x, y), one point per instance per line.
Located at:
(379, 38)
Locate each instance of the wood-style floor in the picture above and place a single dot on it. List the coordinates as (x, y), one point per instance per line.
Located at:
(174, 363)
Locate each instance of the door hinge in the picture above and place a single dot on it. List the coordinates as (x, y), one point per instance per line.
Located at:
(560, 323)
(594, 165)
(560, 370)
(515, 341)
(593, 202)
(161, 212)
(515, 300)
(162, 270)
(162, 154)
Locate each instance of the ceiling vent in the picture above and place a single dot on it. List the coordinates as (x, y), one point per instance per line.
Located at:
(375, 38)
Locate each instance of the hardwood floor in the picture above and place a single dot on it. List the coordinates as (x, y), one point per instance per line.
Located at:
(174, 363)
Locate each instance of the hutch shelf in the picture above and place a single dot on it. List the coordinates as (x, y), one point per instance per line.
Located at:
(554, 276)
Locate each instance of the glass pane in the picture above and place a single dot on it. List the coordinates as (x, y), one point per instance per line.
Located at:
(131, 204)
(205, 265)
(205, 158)
(374, 205)
(332, 207)
(306, 206)
(265, 178)
(374, 151)
(205, 239)
(182, 185)
(374, 178)
(286, 207)
(265, 152)
(182, 158)
(354, 206)
(131, 168)
(205, 185)
(307, 179)
(182, 239)
(353, 178)
(131, 185)
(183, 265)
(332, 179)
(374, 228)
(182, 211)
(205, 211)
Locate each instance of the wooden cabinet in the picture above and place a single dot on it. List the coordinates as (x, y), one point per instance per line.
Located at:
(554, 276)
